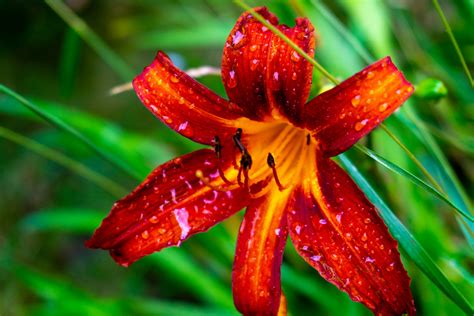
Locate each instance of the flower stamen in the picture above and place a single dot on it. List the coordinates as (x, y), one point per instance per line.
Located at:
(206, 182)
(218, 151)
(271, 163)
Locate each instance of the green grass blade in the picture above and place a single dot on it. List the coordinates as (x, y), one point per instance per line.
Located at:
(414, 250)
(55, 121)
(91, 38)
(62, 219)
(339, 27)
(185, 268)
(103, 182)
(419, 182)
(453, 40)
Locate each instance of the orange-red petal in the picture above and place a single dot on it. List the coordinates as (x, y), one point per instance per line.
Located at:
(338, 231)
(261, 73)
(171, 205)
(256, 271)
(184, 104)
(338, 118)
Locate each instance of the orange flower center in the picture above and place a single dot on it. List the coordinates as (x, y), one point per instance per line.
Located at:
(271, 155)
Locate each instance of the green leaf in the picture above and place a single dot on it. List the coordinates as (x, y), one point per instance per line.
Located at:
(422, 184)
(414, 250)
(66, 127)
(63, 219)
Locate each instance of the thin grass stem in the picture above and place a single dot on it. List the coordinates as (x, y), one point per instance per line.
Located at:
(57, 122)
(91, 38)
(453, 40)
(105, 183)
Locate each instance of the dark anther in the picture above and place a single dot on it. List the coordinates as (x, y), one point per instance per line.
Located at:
(271, 161)
(308, 139)
(238, 140)
(217, 146)
(246, 161)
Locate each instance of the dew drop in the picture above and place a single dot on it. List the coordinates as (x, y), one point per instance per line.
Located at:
(364, 237)
(360, 125)
(145, 234)
(254, 64)
(277, 231)
(343, 115)
(295, 56)
(383, 107)
(264, 28)
(181, 216)
(153, 219)
(276, 76)
(231, 81)
(174, 79)
(294, 76)
(355, 101)
(369, 260)
(370, 74)
(323, 221)
(181, 100)
(238, 39)
(253, 48)
(367, 220)
(315, 258)
(391, 266)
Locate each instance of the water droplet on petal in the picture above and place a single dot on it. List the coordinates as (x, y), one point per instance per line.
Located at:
(355, 101)
(383, 106)
(254, 64)
(238, 39)
(323, 221)
(231, 81)
(181, 100)
(153, 219)
(253, 48)
(370, 74)
(367, 220)
(174, 79)
(360, 125)
(391, 267)
(364, 237)
(264, 28)
(295, 56)
(315, 258)
(145, 234)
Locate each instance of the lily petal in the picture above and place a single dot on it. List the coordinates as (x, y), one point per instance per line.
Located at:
(264, 75)
(338, 231)
(260, 244)
(338, 118)
(184, 104)
(171, 205)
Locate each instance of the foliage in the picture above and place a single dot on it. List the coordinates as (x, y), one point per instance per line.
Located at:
(70, 149)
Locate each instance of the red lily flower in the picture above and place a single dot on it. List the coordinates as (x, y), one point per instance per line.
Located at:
(272, 155)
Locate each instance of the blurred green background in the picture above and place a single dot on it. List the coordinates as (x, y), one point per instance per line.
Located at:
(56, 187)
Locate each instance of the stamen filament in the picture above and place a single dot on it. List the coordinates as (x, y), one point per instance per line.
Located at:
(207, 183)
(271, 164)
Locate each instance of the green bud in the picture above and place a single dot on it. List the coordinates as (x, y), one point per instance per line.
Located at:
(430, 89)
